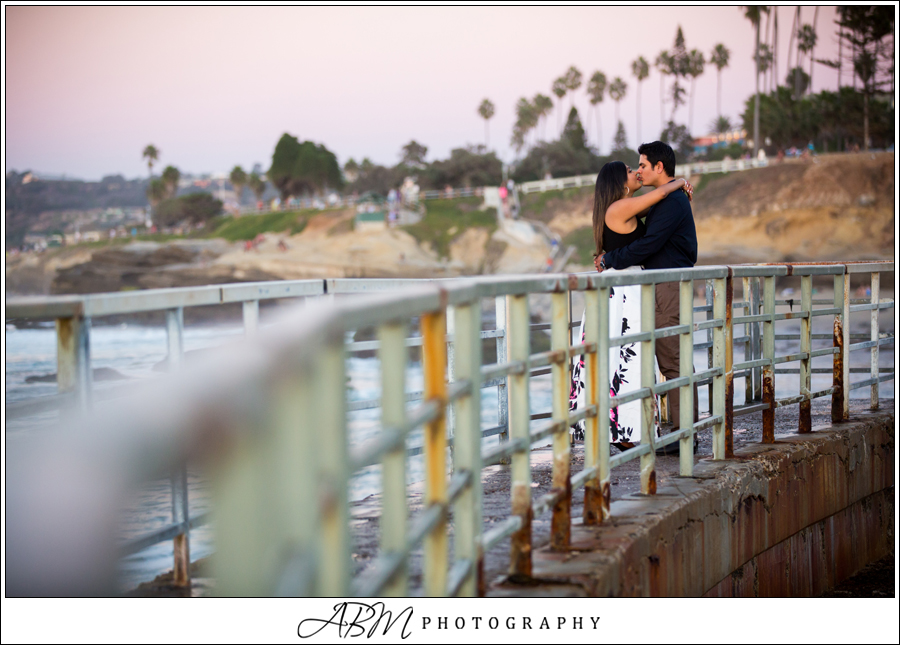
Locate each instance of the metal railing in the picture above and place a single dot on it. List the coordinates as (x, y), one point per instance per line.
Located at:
(681, 170)
(282, 518)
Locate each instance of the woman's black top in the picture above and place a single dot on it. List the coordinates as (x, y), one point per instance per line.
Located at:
(613, 240)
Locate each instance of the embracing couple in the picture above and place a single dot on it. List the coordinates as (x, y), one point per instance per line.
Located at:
(666, 240)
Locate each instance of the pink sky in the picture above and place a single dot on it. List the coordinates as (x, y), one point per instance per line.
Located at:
(87, 88)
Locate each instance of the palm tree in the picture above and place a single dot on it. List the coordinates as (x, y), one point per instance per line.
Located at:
(238, 180)
(595, 89)
(151, 154)
(696, 61)
(617, 92)
(720, 125)
(257, 185)
(719, 58)
(486, 111)
(559, 89)
(665, 66)
(170, 176)
(573, 82)
(526, 118)
(753, 14)
(156, 192)
(806, 43)
(641, 70)
(542, 106)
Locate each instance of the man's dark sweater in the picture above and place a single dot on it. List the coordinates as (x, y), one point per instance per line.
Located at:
(670, 241)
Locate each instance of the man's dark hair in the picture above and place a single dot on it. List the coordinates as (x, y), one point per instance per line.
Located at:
(658, 151)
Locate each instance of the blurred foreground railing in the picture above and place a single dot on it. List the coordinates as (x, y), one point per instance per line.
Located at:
(268, 420)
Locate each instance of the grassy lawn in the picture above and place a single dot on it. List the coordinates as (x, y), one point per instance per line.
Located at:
(538, 206)
(445, 219)
(247, 227)
(583, 240)
(706, 180)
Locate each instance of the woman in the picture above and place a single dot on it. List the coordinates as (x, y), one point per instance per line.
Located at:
(616, 224)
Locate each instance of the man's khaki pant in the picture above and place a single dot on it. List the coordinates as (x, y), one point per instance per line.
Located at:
(667, 315)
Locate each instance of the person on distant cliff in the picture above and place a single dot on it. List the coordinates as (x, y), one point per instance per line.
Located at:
(669, 243)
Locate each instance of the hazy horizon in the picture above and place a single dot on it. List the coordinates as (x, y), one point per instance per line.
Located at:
(212, 87)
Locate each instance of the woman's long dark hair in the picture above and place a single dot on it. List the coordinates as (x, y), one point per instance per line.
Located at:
(610, 188)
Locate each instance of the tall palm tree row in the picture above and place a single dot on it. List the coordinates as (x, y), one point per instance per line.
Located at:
(719, 58)
(596, 89)
(640, 69)
(486, 111)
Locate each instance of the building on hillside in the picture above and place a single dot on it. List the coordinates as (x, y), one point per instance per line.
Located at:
(703, 145)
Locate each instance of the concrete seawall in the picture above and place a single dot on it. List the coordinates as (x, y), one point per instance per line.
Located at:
(793, 518)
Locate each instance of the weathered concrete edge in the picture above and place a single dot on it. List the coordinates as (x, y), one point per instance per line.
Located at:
(816, 559)
(697, 531)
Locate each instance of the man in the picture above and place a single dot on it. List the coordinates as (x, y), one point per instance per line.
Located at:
(670, 243)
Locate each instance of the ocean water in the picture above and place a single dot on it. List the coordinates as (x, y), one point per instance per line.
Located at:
(133, 351)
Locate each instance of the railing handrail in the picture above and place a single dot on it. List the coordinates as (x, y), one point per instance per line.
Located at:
(173, 418)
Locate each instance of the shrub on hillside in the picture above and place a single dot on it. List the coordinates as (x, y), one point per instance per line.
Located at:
(195, 208)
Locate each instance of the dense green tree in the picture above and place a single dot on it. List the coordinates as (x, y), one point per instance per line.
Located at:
(486, 112)
(171, 176)
(798, 80)
(864, 29)
(834, 120)
(573, 133)
(719, 58)
(720, 125)
(679, 138)
(196, 208)
(238, 181)
(471, 166)
(299, 168)
(620, 142)
(156, 192)
(413, 154)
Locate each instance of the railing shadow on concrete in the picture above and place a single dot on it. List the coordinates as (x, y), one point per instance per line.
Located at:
(268, 419)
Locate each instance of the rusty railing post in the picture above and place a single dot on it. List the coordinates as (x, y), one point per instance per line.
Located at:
(593, 495)
(603, 392)
(720, 392)
(181, 571)
(561, 522)
(500, 305)
(333, 461)
(434, 359)
(768, 351)
(648, 403)
(837, 379)
(73, 359)
(686, 368)
(755, 338)
(728, 333)
(805, 422)
(748, 345)
(876, 288)
(845, 376)
(519, 430)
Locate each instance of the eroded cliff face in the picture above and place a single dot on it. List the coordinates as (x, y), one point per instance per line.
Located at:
(837, 207)
(832, 207)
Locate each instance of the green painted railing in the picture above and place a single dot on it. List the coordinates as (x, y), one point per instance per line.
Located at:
(267, 420)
